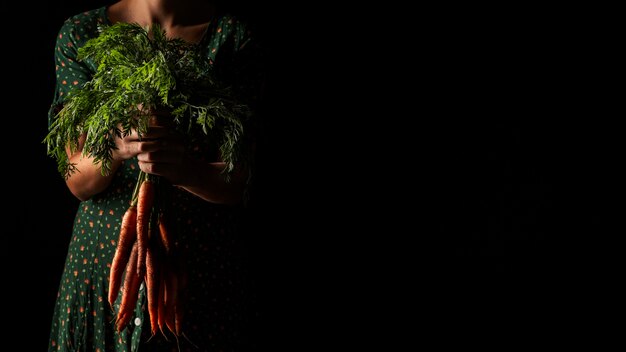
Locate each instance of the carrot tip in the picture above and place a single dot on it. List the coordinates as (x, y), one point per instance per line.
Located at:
(188, 340)
(164, 334)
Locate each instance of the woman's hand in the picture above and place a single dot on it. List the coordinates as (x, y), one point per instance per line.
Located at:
(160, 151)
(127, 147)
(131, 145)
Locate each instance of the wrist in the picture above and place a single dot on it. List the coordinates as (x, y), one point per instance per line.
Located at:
(187, 175)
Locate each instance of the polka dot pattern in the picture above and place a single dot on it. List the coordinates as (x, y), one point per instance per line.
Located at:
(215, 316)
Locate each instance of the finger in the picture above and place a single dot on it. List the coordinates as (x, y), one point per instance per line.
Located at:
(156, 132)
(161, 144)
(161, 156)
(161, 118)
(129, 135)
(149, 146)
(169, 171)
(131, 148)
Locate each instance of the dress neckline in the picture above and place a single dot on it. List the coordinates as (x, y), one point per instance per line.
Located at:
(107, 21)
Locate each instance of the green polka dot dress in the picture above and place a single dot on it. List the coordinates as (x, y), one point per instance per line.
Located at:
(215, 311)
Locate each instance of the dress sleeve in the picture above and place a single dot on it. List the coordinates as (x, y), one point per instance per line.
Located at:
(70, 73)
(250, 72)
(249, 76)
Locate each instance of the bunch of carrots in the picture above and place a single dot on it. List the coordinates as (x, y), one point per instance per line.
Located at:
(147, 252)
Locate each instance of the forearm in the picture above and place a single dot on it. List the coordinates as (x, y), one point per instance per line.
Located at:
(206, 180)
(88, 180)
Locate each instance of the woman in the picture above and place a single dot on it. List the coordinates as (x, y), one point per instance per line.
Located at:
(207, 206)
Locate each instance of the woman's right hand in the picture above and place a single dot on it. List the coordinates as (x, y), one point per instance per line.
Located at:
(127, 147)
(132, 145)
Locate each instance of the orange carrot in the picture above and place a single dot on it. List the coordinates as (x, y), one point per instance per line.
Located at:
(179, 311)
(161, 304)
(171, 297)
(130, 291)
(153, 264)
(165, 233)
(126, 239)
(175, 278)
(166, 244)
(145, 200)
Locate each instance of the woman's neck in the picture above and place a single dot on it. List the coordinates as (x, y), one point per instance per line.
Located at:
(185, 19)
(169, 13)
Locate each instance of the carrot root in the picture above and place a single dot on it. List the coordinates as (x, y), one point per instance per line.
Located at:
(145, 200)
(130, 291)
(153, 281)
(126, 239)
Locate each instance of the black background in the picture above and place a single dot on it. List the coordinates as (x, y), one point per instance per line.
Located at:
(414, 168)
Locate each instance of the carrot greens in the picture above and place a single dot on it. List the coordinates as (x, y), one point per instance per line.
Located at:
(140, 70)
